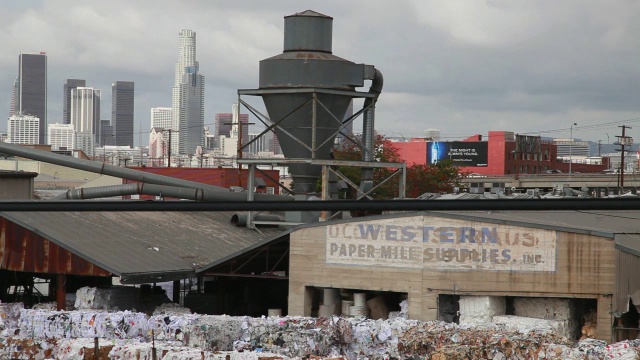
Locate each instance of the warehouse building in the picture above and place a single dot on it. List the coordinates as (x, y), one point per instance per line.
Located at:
(435, 260)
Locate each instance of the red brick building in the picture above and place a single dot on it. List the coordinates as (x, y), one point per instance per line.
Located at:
(503, 153)
(222, 177)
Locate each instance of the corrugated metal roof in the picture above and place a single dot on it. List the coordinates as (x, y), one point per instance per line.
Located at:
(599, 223)
(629, 243)
(144, 246)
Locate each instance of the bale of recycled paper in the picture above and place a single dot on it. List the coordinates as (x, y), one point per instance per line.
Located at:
(330, 296)
(358, 311)
(274, 312)
(346, 305)
(378, 308)
(360, 299)
(328, 310)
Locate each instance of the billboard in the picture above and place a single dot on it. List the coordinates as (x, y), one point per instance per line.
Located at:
(461, 153)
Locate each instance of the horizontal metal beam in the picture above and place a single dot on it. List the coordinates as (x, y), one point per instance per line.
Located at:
(355, 94)
(335, 205)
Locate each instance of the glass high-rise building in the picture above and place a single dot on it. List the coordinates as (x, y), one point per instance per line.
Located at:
(122, 106)
(187, 97)
(66, 97)
(31, 97)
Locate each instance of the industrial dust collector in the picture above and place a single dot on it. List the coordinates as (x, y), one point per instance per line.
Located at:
(307, 90)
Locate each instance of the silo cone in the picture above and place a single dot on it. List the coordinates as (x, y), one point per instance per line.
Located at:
(300, 125)
(307, 67)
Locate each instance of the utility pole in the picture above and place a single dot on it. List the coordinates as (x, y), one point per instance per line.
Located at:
(169, 149)
(623, 141)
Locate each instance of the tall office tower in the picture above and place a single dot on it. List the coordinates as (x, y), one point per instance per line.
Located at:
(66, 97)
(23, 129)
(106, 133)
(32, 92)
(85, 118)
(122, 106)
(61, 136)
(187, 97)
(14, 108)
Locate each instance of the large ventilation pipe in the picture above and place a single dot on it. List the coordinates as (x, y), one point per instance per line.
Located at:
(159, 190)
(125, 173)
(368, 130)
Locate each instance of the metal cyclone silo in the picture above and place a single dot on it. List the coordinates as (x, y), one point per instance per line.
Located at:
(306, 91)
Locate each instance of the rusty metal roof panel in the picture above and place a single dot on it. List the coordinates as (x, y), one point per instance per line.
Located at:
(143, 245)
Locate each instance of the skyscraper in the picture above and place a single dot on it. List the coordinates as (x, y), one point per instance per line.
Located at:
(188, 97)
(122, 106)
(32, 89)
(85, 117)
(66, 97)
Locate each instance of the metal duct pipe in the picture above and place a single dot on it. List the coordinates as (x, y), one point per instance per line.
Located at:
(158, 190)
(116, 171)
(368, 130)
(241, 219)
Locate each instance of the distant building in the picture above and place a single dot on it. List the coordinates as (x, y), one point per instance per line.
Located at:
(122, 107)
(23, 129)
(223, 125)
(61, 136)
(157, 147)
(66, 97)
(161, 117)
(14, 107)
(162, 120)
(31, 97)
(572, 148)
(188, 97)
(85, 112)
(503, 153)
(107, 137)
(432, 134)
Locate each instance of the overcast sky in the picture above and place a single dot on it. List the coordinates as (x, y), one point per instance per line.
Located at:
(463, 67)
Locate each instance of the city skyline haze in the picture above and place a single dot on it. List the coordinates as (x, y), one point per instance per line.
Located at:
(463, 68)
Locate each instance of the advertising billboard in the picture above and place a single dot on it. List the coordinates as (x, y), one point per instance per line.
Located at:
(461, 153)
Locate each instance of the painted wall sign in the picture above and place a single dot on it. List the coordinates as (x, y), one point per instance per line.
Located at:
(441, 244)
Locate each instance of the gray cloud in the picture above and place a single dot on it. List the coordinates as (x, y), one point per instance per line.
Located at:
(462, 67)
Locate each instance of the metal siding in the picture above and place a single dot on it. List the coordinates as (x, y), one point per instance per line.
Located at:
(627, 279)
(124, 242)
(25, 251)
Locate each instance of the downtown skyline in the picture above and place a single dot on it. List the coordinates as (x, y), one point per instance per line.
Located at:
(514, 66)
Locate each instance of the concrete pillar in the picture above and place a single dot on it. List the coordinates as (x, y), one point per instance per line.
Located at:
(605, 318)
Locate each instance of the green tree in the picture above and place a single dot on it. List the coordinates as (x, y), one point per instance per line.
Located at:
(441, 177)
(437, 178)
